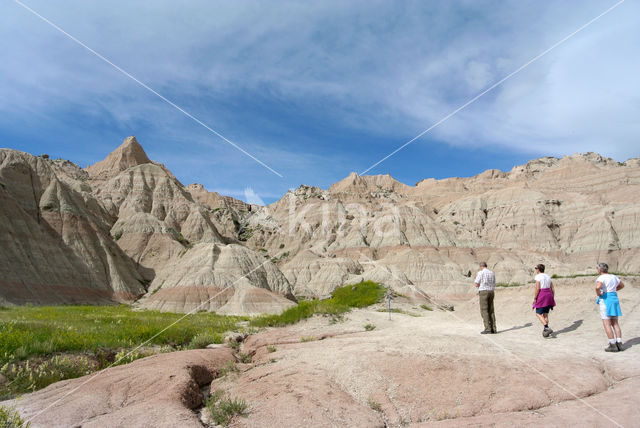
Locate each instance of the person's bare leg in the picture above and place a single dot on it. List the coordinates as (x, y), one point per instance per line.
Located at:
(546, 319)
(541, 318)
(607, 328)
(616, 327)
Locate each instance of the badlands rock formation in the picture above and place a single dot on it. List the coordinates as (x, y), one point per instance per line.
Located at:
(126, 229)
(568, 213)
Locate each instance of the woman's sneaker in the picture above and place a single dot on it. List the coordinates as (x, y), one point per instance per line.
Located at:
(611, 348)
(546, 332)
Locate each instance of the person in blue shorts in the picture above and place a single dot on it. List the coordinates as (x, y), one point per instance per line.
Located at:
(607, 286)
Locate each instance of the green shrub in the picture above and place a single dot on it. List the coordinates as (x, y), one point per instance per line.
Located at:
(10, 418)
(375, 405)
(343, 299)
(126, 356)
(271, 348)
(369, 327)
(31, 376)
(245, 358)
(426, 308)
(223, 410)
(202, 340)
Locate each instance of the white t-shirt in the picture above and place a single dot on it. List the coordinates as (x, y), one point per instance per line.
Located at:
(609, 282)
(545, 280)
(486, 279)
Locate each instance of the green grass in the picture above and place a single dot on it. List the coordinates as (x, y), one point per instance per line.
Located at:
(40, 345)
(508, 284)
(400, 311)
(9, 418)
(223, 409)
(426, 308)
(369, 327)
(343, 300)
(29, 331)
(581, 275)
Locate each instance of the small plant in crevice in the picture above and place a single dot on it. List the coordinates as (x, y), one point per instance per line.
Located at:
(224, 409)
(245, 358)
(426, 308)
(307, 339)
(374, 405)
(271, 349)
(369, 327)
(230, 367)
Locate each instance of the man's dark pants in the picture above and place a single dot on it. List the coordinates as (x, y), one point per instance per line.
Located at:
(486, 309)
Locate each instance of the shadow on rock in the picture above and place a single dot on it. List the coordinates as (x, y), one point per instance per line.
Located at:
(572, 327)
(517, 327)
(632, 342)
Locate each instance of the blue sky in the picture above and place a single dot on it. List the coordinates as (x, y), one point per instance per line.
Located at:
(317, 90)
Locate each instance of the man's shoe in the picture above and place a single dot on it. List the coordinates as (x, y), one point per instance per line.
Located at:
(546, 332)
(619, 345)
(485, 332)
(611, 348)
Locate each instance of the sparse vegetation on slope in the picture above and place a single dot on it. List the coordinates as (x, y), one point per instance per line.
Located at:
(342, 300)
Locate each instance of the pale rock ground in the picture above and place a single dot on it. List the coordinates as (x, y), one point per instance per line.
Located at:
(437, 366)
(430, 369)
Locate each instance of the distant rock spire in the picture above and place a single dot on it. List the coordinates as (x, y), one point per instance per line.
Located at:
(129, 153)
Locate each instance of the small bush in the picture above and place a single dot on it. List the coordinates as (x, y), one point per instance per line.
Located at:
(228, 368)
(223, 410)
(202, 340)
(126, 356)
(245, 358)
(271, 348)
(31, 376)
(307, 339)
(426, 308)
(369, 327)
(10, 418)
(281, 246)
(375, 405)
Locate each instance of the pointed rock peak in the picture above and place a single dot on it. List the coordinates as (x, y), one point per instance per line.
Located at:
(129, 153)
(367, 183)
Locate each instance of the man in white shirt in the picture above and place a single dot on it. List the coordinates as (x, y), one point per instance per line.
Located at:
(486, 283)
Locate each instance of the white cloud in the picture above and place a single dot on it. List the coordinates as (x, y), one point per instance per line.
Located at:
(380, 68)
